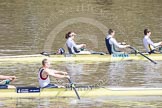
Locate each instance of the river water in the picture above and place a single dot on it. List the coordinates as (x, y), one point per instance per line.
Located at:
(30, 27)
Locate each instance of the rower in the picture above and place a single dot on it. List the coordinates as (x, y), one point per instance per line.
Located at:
(149, 45)
(6, 81)
(45, 72)
(72, 47)
(112, 45)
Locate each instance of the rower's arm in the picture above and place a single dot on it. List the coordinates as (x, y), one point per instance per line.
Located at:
(73, 44)
(60, 72)
(117, 44)
(57, 74)
(157, 44)
(149, 41)
(3, 77)
(77, 46)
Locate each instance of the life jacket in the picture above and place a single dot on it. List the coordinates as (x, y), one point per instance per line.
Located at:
(111, 48)
(108, 45)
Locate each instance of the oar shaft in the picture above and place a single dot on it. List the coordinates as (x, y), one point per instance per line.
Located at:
(147, 58)
(74, 88)
(143, 55)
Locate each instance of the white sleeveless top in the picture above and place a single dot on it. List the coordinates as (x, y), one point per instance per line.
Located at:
(43, 81)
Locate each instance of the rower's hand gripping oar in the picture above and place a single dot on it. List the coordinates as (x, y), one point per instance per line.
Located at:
(73, 86)
(8, 81)
(157, 47)
(142, 54)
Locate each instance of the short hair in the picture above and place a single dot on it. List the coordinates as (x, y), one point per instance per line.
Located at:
(44, 61)
(146, 31)
(110, 31)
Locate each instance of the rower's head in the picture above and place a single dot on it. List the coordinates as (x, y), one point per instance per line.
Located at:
(70, 35)
(111, 32)
(46, 63)
(147, 32)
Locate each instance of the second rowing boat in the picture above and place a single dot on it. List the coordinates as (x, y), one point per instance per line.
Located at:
(83, 92)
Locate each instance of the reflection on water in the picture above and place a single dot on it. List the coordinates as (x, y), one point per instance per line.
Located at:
(111, 74)
(106, 102)
(134, 74)
(122, 73)
(26, 27)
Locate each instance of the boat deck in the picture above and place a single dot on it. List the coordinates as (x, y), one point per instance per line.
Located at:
(94, 57)
(85, 92)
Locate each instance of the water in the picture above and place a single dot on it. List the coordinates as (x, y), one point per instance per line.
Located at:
(111, 74)
(29, 27)
(84, 103)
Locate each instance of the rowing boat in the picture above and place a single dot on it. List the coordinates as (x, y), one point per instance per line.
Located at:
(91, 57)
(83, 92)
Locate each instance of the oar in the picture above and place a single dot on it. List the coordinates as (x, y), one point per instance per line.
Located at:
(93, 52)
(73, 86)
(47, 53)
(142, 54)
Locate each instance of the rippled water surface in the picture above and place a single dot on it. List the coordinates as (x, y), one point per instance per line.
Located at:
(30, 27)
(112, 74)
